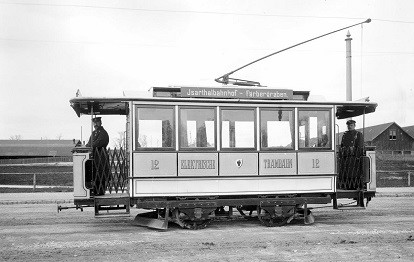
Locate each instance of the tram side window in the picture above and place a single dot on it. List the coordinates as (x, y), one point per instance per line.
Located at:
(277, 128)
(315, 129)
(238, 128)
(154, 127)
(197, 128)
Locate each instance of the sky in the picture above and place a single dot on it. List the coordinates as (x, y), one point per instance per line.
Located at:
(50, 49)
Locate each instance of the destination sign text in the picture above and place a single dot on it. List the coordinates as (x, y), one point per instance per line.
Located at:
(240, 93)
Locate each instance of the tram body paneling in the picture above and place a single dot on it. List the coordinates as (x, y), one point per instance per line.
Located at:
(223, 168)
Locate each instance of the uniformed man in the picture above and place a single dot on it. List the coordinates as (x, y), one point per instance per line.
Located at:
(350, 171)
(352, 140)
(99, 137)
(98, 141)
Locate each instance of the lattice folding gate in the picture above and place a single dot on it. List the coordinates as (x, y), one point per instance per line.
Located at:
(110, 171)
(350, 169)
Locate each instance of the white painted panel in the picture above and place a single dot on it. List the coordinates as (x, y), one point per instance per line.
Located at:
(297, 184)
(277, 164)
(372, 185)
(79, 187)
(238, 185)
(155, 187)
(316, 162)
(236, 164)
(233, 186)
(155, 164)
(198, 164)
(197, 186)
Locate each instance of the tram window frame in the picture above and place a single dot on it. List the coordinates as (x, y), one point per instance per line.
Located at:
(181, 148)
(328, 132)
(136, 129)
(291, 126)
(254, 129)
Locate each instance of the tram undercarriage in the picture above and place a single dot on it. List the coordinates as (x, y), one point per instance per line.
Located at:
(196, 213)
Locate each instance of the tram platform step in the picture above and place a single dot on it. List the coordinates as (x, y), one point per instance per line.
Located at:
(350, 208)
(112, 202)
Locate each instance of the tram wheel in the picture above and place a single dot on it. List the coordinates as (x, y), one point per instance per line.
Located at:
(185, 222)
(241, 210)
(267, 220)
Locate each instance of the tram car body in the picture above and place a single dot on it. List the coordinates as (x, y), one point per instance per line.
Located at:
(194, 153)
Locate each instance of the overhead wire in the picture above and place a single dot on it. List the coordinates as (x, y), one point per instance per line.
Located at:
(200, 12)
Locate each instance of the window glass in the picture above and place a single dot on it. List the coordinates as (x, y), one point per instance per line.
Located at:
(393, 135)
(237, 128)
(197, 128)
(155, 127)
(314, 129)
(277, 128)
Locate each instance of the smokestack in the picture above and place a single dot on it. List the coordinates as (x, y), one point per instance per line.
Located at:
(348, 68)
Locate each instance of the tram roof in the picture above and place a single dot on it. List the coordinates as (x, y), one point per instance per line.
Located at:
(119, 105)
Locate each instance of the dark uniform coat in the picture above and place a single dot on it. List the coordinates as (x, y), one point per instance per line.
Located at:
(352, 138)
(350, 165)
(99, 138)
(101, 175)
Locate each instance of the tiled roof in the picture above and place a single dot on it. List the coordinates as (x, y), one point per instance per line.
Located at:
(409, 130)
(371, 132)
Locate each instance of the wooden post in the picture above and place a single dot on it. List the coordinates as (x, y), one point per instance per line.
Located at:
(34, 182)
(409, 178)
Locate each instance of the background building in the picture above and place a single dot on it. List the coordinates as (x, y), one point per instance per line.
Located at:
(387, 137)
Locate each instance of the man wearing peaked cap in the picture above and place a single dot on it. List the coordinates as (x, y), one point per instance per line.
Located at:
(99, 137)
(352, 138)
(352, 145)
(100, 171)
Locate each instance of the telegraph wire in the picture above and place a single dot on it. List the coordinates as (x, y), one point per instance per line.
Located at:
(365, 53)
(202, 12)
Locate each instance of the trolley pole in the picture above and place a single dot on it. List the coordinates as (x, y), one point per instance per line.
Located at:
(348, 67)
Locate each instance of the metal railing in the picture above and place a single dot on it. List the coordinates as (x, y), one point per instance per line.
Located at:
(109, 171)
(350, 168)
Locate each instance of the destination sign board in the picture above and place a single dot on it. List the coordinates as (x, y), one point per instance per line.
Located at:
(238, 93)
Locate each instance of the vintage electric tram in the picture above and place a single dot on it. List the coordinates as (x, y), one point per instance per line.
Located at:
(196, 153)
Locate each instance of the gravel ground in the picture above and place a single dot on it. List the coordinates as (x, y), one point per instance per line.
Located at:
(382, 232)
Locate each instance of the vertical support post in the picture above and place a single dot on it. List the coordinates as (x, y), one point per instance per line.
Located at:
(34, 182)
(409, 178)
(335, 201)
(348, 67)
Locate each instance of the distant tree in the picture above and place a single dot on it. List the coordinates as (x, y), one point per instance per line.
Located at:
(120, 140)
(16, 137)
(59, 137)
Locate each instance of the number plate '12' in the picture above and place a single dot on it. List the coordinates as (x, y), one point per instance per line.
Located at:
(316, 163)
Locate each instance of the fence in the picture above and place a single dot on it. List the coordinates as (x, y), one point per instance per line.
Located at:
(396, 152)
(51, 179)
(40, 160)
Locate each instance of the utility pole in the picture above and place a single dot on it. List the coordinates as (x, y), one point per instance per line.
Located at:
(348, 67)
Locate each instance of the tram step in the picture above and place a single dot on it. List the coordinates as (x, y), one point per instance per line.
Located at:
(350, 208)
(112, 202)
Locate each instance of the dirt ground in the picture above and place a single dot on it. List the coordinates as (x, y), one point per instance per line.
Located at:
(383, 232)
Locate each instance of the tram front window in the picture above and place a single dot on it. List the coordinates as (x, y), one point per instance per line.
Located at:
(238, 128)
(315, 129)
(277, 128)
(155, 127)
(197, 128)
